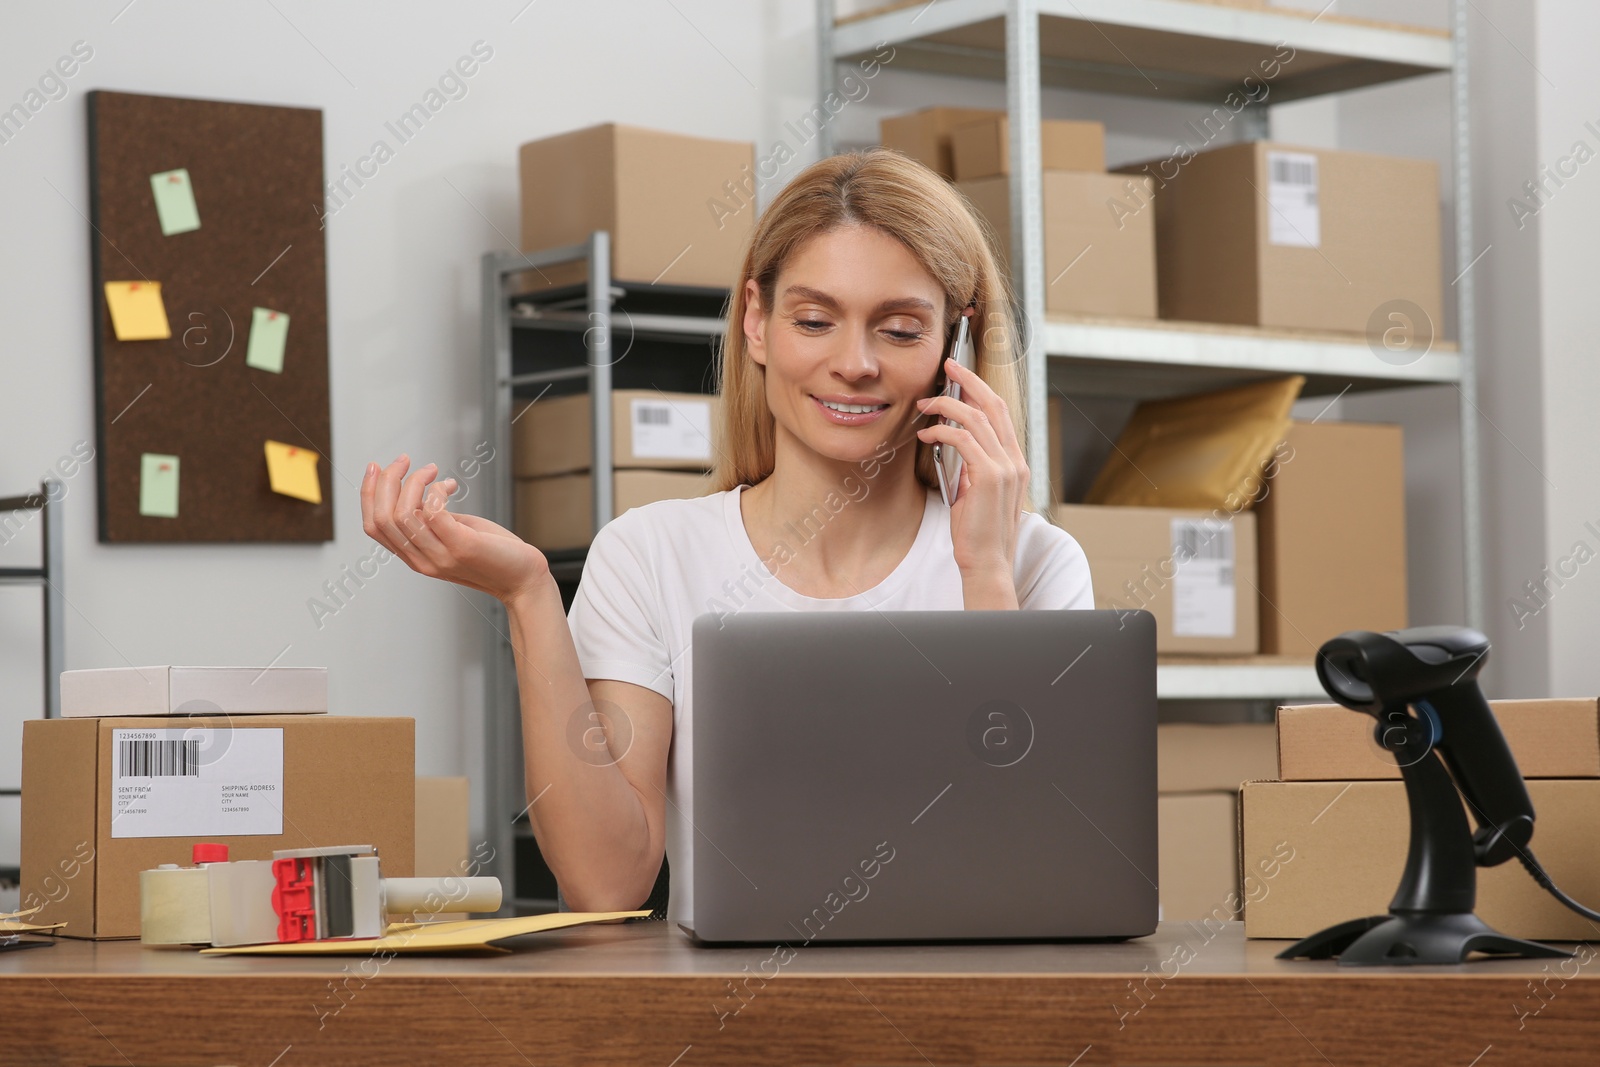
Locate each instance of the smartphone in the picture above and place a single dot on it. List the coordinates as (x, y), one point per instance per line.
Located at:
(947, 462)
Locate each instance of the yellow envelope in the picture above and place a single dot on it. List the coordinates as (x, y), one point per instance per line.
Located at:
(464, 936)
(12, 923)
(137, 313)
(293, 471)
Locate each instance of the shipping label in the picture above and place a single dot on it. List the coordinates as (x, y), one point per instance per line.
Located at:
(672, 429)
(1203, 594)
(1295, 215)
(196, 782)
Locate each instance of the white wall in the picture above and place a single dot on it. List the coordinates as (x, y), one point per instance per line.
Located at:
(1568, 87)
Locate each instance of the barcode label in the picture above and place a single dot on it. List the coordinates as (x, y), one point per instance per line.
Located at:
(157, 759)
(196, 782)
(1294, 215)
(1202, 539)
(679, 429)
(1292, 171)
(1203, 591)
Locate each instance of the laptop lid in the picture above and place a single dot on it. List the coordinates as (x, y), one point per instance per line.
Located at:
(924, 775)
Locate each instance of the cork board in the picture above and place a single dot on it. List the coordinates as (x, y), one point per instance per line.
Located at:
(257, 180)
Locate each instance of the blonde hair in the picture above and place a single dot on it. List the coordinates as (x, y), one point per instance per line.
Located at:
(897, 196)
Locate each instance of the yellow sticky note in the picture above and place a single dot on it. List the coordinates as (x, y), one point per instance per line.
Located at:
(293, 471)
(137, 313)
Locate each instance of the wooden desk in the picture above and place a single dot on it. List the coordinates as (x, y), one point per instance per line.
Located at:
(640, 993)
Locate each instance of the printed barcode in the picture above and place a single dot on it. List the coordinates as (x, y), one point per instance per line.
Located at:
(1294, 171)
(1195, 542)
(653, 415)
(158, 759)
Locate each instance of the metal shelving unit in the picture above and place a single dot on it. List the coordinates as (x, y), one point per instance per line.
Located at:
(47, 576)
(561, 339)
(1194, 50)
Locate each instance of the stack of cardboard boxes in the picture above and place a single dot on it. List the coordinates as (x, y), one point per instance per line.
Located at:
(1199, 768)
(662, 447)
(1327, 840)
(1315, 548)
(147, 762)
(1097, 262)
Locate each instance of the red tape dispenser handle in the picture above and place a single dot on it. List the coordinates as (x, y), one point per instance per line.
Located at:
(294, 899)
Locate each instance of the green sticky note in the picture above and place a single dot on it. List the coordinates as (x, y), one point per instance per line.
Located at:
(269, 332)
(175, 201)
(158, 485)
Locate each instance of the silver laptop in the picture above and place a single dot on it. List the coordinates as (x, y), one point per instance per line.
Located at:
(924, 776)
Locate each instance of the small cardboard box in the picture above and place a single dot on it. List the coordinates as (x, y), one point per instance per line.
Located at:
(103, 799)
(982, 149)
(1199, 856)
(678, 208)
(1094, 263)
(925, 135)
(1199, 768)
(1194, 570)
(1267, 235)
(1547, 738)
(1206, 757)
(209, 690)
(1319, 853)
(649, 428)
(558, 512)
(442, 849)
(1333, 536)
(441, 827)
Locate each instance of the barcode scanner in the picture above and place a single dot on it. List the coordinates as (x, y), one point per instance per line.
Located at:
(1422, 687)
(1435, 669)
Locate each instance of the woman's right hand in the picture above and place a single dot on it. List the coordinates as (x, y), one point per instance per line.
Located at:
(409, 518)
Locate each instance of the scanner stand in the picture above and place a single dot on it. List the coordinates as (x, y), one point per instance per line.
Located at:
(1430, 919)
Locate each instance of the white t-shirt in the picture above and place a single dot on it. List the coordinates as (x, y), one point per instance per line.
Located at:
(654, 569)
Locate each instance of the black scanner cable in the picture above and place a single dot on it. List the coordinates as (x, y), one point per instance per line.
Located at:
(1537, 870)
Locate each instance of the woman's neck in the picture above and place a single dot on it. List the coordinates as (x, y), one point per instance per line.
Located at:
(840, 528)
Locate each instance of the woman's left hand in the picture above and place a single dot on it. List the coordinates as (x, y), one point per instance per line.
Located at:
(994, 474)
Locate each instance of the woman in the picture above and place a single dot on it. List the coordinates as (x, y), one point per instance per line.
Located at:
(825, 501)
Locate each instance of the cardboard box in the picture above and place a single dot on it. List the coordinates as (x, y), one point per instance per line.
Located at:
(1093, 264)
(1205, 757)
(1547, 738)
(1266, 235)
(1320, 853)
(442, 848)
(1199, 856)
(649, 428)
(170, 690)
(441, 836)
(925, 135)
(1333, 536)
(339, 780)
(982, 149)
(679, 209)
(1205, 605)
(558, 512)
